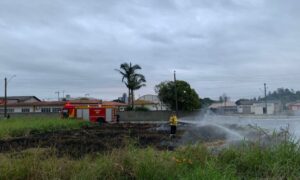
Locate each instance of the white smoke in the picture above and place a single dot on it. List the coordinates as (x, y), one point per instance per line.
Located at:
(207, 126)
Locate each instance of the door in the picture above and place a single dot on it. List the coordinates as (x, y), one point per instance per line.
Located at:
(108, 115)
(79, 113)
(86, 114)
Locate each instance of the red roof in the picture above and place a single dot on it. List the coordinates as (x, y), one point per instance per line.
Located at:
(56, 103)
(112, 103)
(72, 102)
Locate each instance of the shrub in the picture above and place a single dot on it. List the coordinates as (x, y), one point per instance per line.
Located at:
(141, 109)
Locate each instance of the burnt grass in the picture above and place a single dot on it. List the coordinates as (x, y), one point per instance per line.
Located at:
(93, 139)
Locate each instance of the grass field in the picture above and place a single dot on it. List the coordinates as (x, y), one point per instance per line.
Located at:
(248, 161)
(20, 126)
(252, 162)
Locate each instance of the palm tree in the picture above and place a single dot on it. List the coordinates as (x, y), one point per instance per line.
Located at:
(138, 82)
(131, 79)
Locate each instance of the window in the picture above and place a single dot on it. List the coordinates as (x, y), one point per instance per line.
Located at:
(25, 110)
(10, 110)
(46, 110)
(56, 109)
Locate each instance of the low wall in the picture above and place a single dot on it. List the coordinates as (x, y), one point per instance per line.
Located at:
(54, 115)
(144, 116)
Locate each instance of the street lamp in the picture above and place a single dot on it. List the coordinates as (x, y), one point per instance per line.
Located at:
(176, 97)
(5, 93)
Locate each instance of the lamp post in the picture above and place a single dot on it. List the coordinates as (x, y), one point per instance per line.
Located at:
(5, 97)
(5, 94)
(176, 98)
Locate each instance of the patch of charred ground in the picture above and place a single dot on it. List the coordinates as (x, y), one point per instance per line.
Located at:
(93, 139)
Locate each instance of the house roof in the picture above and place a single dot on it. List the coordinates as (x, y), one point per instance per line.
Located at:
(294, 104)
(112, 103)
(20, 98)
(149, 98)
(62, 103)
(244, 102)
(143, 102)
(42, 103)
(269, 102)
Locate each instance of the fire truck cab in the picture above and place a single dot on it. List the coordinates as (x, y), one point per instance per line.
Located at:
(93, 113)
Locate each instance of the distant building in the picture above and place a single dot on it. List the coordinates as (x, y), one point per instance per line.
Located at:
(294, 106)
(245, 106)
(120, 106)
(224, 108)
(152, 102)
(273, 107)
(31, 104)
(19, 99)
(68, 97)
(124, 98)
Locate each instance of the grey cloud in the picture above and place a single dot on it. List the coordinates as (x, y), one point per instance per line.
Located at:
(154, 37)
(218, 46)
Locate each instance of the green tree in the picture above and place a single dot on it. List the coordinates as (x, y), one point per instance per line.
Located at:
(131, 79)
(206, 102)
(188, 99)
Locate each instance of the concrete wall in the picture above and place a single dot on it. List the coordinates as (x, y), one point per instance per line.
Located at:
(145, 116)
(244, 109)
(258, 108)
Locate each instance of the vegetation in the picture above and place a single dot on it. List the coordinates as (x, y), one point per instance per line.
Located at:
(193, 162)
(206, 102)
(141, 109)
(20, 126)
(131, 79)
(248, 161)
(188, 99)
(284, 95)
(281, 94)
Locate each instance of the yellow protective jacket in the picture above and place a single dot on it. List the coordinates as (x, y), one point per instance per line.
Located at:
(173, 120)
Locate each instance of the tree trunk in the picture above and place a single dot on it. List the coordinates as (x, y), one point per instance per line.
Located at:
(128, 98)
(132, 101)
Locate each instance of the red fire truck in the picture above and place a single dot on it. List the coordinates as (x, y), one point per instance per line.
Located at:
(93, 113)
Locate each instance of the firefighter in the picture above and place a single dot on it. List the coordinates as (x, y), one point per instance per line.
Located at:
(118, 118)
(65, 113)
(173, 124)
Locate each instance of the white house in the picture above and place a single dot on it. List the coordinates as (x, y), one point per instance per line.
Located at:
(294, 106)
(245, 107)
(271, 108)
(152, 102)
(28, 104)
(224, 108)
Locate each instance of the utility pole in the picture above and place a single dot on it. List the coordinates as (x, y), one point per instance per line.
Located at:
(266, 105)
(5, 93)
(57, 92)
(176, 93)
(5, 97)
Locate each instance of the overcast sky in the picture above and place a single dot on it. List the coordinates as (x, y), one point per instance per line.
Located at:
(218, 46)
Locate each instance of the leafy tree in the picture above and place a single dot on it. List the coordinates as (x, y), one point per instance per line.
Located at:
(118, 100)
(131, 79)
(284, 95)
(188, 99)
(206, 102)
